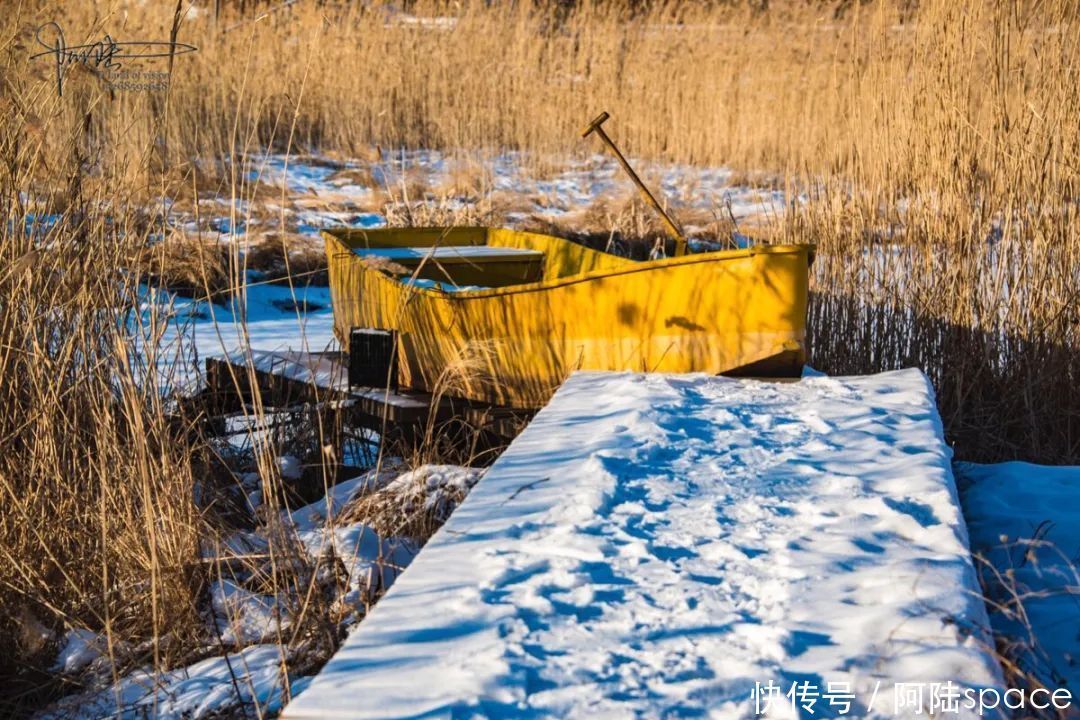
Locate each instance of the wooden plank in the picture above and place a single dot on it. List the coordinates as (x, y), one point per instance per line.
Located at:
(289, 377)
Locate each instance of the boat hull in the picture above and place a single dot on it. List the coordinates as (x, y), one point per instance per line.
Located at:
(514, 345)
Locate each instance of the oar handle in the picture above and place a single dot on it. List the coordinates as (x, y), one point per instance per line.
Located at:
(595, 124)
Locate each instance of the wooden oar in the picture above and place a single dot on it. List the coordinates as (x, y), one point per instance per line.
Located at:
(673, 229)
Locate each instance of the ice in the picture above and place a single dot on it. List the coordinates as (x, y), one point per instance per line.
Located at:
(657, 545)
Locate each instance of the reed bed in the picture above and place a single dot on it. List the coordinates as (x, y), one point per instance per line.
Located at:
(930, 153)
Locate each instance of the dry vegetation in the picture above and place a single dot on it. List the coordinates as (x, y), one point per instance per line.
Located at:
(936, 147)
(936, 150)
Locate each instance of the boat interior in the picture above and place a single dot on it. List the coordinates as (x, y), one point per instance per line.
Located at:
(472, 258)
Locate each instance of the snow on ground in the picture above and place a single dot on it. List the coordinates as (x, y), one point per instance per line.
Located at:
(322, 192)
(244, 617)
(80, 648)
(1025, 521)
(433, 489)
(581, 182)
(656, 546)
(253, 676)
(266, 317)
(197, 691)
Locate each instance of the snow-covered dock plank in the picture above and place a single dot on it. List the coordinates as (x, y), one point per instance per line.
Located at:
(659, 545)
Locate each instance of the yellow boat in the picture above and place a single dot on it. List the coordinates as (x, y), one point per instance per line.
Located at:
(523, 310)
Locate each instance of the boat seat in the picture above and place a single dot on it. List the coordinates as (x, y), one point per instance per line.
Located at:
(475, 265)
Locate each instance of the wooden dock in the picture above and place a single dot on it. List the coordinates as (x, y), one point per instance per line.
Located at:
(291, 378)
(675, 546)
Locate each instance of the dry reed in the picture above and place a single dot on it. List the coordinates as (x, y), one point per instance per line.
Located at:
(932, 148)
(932, 152)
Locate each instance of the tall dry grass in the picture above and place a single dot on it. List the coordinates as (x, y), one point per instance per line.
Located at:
(932, 151)
(99, 524)
(112, 497)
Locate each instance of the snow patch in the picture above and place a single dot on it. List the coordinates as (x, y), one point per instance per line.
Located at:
(206, 689)
(253, 677)
(244, 617)
(81, 647)
(437, 488)
(1025, 522)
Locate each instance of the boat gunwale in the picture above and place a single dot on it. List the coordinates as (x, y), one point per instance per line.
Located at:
(507, 259)
(541, 285)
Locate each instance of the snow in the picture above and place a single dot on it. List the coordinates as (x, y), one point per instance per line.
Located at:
(244, 617)
(581, 182)
(265, 317)
(81, 647)
(330, 200)
(1025, 521)
(320, 370)
(325, 511)
(437, 488)
(371, 561)
(298, 175)
(290, 467)
(656, 545)
(201, 690)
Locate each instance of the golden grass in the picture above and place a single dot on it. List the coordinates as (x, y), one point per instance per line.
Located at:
(409, 507)
(935, 150)
(193, 266)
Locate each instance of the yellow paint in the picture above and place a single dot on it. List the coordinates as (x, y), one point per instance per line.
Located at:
(709, 312)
